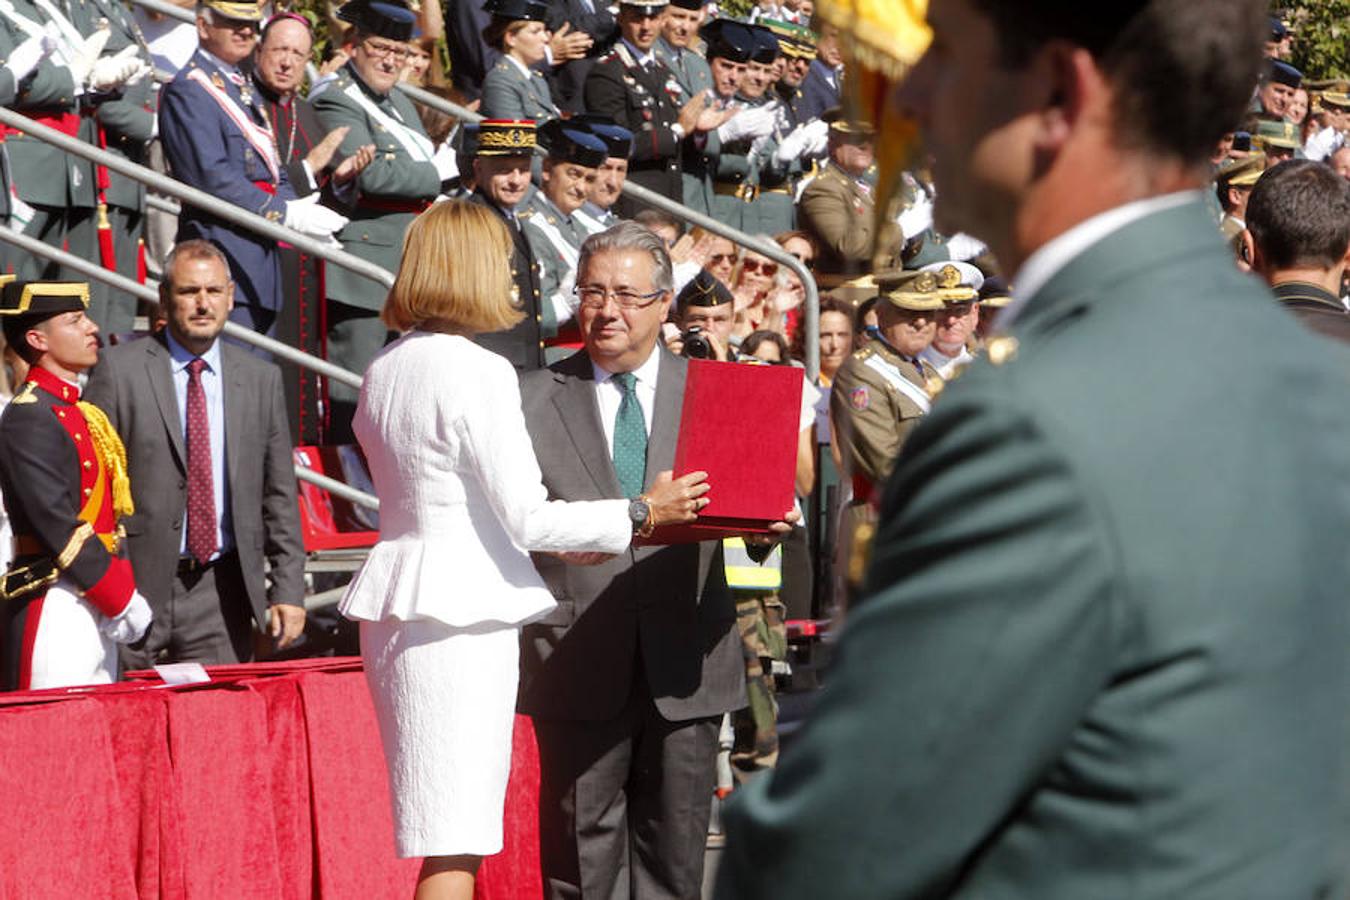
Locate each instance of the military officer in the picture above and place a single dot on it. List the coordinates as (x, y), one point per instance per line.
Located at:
(837, 206)
(69, 597)
(722, 160)
(799, 49)
(217, 138)
(501, 171)
(954, 344)
(1279, 83)
(634, 88)
(1233, 184)
(597, 214)
(675, 48)
(1336, 111)
(553, 230)
(880, 393)
(58, 194)
(21, 55)
(407, 173)
(513, 87)
(1280, 140)
(123, 124)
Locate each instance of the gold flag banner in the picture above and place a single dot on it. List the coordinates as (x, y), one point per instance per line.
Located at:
(882, 40)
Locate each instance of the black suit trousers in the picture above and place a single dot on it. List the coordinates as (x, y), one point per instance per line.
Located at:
(624, 803)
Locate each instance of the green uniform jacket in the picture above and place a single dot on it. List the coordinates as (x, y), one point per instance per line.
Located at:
(1103, 648)
(394, 178)
(128, 120)
(43, 175)
(509, 93)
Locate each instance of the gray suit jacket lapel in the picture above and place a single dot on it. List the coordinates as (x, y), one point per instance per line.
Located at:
(580, 415)
(159, 368)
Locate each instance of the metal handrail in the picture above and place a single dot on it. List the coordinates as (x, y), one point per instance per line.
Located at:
(693, 217)
(238, 332)
(811, 303)
(198, 198)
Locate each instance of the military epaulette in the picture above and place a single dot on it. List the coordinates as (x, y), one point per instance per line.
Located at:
(25, 395)
(864, 353)
(524, 214)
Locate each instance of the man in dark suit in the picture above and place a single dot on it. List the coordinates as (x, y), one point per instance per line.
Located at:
(820, 87)
(1101, 650)
(209, 453)
(1298, 240)
(628, 678)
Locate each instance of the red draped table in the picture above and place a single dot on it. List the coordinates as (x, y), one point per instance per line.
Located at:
(267, 782)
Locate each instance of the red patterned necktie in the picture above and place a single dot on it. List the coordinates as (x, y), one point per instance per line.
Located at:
(201, 491)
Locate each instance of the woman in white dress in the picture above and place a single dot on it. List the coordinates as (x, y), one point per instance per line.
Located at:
(444, 592)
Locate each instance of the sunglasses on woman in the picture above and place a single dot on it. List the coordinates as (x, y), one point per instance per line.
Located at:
(768, 267)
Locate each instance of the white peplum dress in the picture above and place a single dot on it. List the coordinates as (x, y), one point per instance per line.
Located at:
(442, 595)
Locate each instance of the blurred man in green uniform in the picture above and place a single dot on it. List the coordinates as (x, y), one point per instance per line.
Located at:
(1102, 648)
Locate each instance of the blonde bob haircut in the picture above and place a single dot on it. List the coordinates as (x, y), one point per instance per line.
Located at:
(455, 273)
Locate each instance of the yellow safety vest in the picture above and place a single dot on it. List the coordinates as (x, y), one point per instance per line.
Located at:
(744, 574)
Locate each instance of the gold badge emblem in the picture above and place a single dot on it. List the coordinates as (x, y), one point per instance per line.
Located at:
(1002, 350)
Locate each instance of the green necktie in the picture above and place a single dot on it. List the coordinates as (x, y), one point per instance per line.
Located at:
(630, 438)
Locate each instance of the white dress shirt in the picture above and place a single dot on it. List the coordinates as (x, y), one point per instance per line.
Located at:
(213, 388)
(1058, 252)
(608, 395)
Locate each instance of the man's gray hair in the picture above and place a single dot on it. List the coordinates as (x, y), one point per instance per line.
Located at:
(628, 235)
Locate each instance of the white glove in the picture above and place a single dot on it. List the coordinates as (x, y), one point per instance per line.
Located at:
(447, 166)
(748, 123)
(918, 218)
(817, 137)
(792, 146)
(86, 55)
(110, 72)
(26, 57)
(308, 217)
(964, 248)
(130, 625)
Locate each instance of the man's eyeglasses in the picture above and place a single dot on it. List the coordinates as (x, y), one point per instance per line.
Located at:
(594, 297)
(767, 266)
(391, 51)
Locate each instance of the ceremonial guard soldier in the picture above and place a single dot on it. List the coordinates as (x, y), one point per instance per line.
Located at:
(501, 170)
(407, 173)
(799, 49)
(634, 88)
(21, 54)
(513, 88)
(68, 597)
(551, 226)
(217, 138)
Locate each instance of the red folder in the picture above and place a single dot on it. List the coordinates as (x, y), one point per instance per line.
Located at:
(739, 424)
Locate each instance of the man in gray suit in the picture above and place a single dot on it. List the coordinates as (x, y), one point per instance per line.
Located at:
(209, 454)
(1102, 647)
(628, 678)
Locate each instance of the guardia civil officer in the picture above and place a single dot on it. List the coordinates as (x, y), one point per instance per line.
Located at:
(549, 219)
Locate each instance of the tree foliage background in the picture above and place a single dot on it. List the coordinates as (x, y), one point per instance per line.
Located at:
(1321, 37)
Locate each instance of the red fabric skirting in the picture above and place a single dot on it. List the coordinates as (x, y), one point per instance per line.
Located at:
(268, 782)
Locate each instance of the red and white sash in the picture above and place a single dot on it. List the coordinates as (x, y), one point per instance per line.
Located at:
(260, 137)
